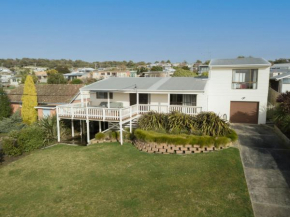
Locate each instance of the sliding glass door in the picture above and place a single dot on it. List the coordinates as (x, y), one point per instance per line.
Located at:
(183, 99)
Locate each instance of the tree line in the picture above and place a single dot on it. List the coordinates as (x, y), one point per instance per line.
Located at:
(52, 63)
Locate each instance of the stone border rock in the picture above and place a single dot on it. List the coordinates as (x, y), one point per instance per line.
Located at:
(176, 149)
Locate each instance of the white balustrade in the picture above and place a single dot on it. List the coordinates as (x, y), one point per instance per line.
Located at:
(72, 111)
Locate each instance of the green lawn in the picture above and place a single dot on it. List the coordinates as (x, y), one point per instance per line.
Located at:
(114, 180)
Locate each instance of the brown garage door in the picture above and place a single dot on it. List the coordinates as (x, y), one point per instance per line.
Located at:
(244, 112)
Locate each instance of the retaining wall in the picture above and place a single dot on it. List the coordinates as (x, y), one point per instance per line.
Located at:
(176, 149)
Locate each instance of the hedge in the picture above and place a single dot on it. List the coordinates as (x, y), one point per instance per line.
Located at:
(184, 139)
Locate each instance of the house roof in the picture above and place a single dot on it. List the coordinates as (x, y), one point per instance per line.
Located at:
(239, 62)
(49, 93)
(279, 77)
(287, 65)
(158, 84)
(41, 73)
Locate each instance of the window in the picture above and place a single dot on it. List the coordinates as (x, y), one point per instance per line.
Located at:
(183, 99)
(286, 80)
(104, 95)
(245, 79)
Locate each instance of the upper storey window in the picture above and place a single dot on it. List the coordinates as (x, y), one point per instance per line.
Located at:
(245, 79)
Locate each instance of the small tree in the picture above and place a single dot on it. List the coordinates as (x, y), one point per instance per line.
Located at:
(5, 108)
(56, 79)
(157, 68)
(29, 101)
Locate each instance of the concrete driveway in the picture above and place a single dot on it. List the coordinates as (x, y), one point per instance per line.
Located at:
(266, 164)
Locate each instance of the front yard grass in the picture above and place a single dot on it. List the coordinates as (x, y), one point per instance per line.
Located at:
(113, 180)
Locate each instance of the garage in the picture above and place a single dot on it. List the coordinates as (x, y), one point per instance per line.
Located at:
(244, 112)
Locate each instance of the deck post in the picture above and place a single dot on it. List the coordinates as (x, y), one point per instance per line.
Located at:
(72, 129)
(121, 127)
(58, 128)
(81, 128)
(130, 119)
(82, 98)
(88, 126)
(137, 95)
(100, 126)
(168, 109)
(108, 100)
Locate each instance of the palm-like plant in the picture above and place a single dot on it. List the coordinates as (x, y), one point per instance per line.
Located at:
(211, 124)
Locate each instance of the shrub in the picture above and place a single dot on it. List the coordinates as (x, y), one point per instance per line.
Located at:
(5, 107)
(49, 126)
(76, 81)
(219, 141)
(152, 121)
(10, 147)
(233, 136)
(182, 139)
(30, 138)
(14, 122)
(284, 102)
(178, 122)
(100, 136)
(206, 123)
(211, 124)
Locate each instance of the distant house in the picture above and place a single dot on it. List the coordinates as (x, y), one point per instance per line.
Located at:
(48, 97)
(5, 70)
(15, 81)
(108, 73)
(41, 76)
(80, 73)
(203, 68)
(281, 82)
(278, 69)
(155, 74)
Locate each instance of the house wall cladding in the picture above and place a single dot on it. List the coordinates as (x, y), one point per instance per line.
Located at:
(176, 149)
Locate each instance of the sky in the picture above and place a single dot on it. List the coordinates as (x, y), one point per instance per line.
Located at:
(144, 30)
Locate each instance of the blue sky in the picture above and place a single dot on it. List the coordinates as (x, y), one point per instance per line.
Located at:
(144, 30)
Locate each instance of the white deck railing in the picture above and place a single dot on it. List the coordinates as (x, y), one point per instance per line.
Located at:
(76, 111)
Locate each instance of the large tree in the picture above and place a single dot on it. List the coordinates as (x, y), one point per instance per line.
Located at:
(62, 69)
(157, 68)
(56, 79)
(5, 108)
(29, 101)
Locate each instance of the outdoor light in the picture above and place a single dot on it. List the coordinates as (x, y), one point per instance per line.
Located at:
(225, 117)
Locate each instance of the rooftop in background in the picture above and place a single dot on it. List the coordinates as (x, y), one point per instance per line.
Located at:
(239, 62)
(49, 93)
(148, 84)
(281, 65)
(279, 77)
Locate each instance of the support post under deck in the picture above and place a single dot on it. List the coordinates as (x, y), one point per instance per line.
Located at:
(121, 127)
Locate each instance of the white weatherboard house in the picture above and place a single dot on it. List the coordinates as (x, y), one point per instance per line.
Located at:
(236, 89)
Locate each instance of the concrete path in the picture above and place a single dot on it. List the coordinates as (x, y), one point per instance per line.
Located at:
(266, 164)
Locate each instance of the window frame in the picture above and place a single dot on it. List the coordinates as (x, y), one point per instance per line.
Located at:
(251, 71)
(105, 95)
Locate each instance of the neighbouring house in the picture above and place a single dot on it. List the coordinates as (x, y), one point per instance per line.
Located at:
(48, 97)
(281, 82)
(236, 89)
(35, 68)
(203, 68)
(41, 76)
(99, 75)
(15, 81)
(280, 68)
(5, 70)
(80, 73)
(155, 74)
